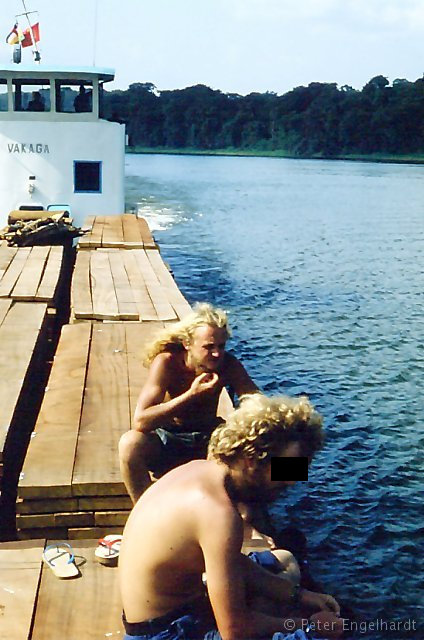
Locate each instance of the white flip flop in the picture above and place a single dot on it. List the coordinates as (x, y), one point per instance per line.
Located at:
(61, 560)
(107, 550)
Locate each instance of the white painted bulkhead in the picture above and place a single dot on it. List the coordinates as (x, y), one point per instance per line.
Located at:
(47, 151)
(42, 151)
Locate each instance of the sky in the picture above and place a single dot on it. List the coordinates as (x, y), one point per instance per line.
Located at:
(236, 46)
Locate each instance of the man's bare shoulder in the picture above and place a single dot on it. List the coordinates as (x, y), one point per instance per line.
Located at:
(167, 358)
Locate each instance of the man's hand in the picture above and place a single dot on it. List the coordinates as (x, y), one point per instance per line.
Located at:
(204, 383)
(326, 624)
(319, 602)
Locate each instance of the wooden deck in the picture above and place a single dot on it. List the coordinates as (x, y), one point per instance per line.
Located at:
(71, 479)
(70, 486)
(30, 273)
(70, 483)
(23, 327)
(35, 605)
(117, 285)
(119, 232)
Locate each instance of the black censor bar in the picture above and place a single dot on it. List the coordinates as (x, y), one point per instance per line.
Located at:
(289, 469)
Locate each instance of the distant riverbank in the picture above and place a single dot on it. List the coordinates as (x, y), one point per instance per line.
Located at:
(258, 153)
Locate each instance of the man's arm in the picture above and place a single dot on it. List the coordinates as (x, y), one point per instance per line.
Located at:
(238, 377)
(151, 410)
(227, 579)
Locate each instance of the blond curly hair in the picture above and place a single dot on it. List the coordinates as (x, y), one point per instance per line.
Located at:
(173, 337)
(262, 425)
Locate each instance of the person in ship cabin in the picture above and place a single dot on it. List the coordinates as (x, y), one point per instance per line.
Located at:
(177, 408)
(188, 523)
(36, 103)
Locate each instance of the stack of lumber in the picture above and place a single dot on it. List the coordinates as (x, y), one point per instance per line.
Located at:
(35, 605)
(70, 485)
(116, 285)
(30, 273)
(22, 327)
(116, 232)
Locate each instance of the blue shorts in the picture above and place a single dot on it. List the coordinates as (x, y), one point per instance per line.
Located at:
(178, 448)
(195, 620)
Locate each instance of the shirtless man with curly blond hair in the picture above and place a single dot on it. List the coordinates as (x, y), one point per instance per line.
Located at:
(177, 407)
(188, 523)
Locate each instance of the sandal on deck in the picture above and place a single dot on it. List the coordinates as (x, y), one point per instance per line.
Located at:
(107, 551)
(60, 558)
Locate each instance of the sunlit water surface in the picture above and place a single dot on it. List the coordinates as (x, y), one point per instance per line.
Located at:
(321, 267)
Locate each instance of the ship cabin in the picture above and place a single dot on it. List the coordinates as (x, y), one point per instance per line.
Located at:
(56, 148)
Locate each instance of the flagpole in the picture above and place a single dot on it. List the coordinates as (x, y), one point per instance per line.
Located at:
(34, 43)
(95, 33)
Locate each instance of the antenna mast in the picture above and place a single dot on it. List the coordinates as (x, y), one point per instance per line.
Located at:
(95, 33)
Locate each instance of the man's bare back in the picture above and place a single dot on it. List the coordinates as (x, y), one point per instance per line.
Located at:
(188, 523)
(161, 542)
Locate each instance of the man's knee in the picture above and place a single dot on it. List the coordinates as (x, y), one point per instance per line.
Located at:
(135, 446)
(288, 563)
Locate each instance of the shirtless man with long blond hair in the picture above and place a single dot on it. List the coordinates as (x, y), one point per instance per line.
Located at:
(177, 408)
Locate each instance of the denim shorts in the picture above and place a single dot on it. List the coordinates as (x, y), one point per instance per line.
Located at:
(195, 620)
(178, 448)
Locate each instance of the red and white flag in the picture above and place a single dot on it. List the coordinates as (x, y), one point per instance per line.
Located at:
(27, 41)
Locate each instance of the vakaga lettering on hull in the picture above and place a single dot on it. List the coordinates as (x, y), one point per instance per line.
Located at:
(28, 147)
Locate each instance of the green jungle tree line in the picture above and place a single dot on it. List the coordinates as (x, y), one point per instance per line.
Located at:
(320, 119)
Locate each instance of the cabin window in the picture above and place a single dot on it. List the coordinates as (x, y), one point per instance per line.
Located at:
(28, 96)
(87, 177)
(3, 95)
(75, 98)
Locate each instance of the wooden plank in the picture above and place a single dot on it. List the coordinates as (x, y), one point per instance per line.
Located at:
(126, 304)
(131, 229)
(81, 300)
(46, 505)
(105, 415)
(113, 235)
(16, 349)
(88, 607)
(87, 227)
(67, 519)
(105, 304)
(35, 521)
(32, 272)
(98, 503)
(92, 532)
(20, 570)
(156, 292)
(49, 532)
(48, 467)
(146, 234)
(176, 298)
(13, 272)
(141, 296)
(5, 304)
(111, 518)
(51, 276)
(6, 256)
(137, 337)
(97, 232)
(74, 519)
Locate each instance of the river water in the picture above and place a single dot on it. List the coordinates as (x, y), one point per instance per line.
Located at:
(320, 265)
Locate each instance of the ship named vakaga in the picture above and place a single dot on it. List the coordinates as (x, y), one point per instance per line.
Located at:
(57, 151)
